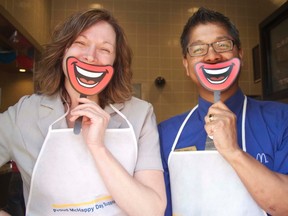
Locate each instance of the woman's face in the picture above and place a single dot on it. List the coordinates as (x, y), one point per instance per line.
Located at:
(95, 46)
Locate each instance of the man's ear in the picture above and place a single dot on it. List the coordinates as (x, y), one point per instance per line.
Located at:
(241, 55)
(185, 64)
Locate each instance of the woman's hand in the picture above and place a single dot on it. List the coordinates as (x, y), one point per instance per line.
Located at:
(94, 123)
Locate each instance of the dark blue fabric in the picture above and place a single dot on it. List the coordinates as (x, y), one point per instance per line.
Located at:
(15, 202)
(266, 129)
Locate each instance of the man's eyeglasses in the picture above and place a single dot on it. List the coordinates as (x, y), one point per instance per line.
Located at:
(218, 46)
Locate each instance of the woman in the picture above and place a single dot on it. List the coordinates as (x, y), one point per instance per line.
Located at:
(113, 166)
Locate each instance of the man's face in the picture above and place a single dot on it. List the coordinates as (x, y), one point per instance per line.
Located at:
(207, 34)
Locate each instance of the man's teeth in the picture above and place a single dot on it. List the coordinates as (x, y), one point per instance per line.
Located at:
(87, 73)
(216, 72)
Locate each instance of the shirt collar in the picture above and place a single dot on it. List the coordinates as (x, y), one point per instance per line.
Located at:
(54, 101)
(234, 103)
(54, 105)
(118, 106)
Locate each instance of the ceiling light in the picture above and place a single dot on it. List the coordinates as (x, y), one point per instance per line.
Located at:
(96, 6)
(193, 10)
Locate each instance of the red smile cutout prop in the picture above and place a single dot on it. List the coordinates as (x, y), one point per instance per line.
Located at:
(217, 77)
(88, 79)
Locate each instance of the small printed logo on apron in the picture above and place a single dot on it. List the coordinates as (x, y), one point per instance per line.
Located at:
(95, 205)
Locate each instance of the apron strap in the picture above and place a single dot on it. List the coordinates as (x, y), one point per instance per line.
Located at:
(113, 107)
(122, 115)
(180, 131)
(129, 124)
(243, 124)
(60, 118)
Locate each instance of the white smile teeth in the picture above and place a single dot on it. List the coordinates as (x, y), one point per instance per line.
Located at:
(87, 73)
(216, 72)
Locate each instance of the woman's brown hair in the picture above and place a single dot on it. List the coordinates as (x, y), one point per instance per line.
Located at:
(49, 76)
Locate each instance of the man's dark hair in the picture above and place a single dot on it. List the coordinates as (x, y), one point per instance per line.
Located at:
(204, 16)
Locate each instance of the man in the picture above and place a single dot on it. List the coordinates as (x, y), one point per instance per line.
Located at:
(251, 136)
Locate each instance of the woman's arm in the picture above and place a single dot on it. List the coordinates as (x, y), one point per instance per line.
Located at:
(141, 194)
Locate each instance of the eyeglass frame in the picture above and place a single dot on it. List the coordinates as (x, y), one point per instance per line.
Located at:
(212, 45)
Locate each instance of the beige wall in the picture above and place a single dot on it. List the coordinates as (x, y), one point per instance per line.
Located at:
(153, 28)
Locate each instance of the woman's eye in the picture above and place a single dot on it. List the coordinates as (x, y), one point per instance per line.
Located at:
(105, 50)
(79, 42)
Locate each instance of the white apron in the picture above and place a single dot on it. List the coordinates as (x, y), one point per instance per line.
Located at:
(203, 183)
(65, 180)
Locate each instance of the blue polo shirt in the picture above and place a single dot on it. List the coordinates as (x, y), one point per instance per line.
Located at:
(266, 128)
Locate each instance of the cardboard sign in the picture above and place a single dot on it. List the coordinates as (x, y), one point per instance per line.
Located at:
(88, 79)
(218, 77)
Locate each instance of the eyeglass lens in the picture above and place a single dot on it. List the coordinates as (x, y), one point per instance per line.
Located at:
(218, 46)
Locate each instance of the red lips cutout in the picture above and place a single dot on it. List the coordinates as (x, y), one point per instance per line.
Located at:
(218, 77)
(88, 79)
